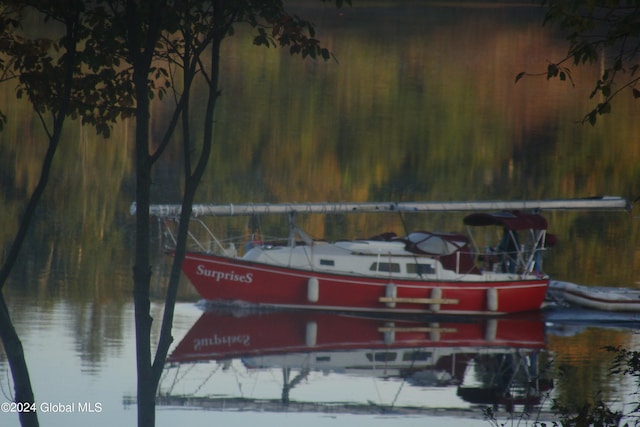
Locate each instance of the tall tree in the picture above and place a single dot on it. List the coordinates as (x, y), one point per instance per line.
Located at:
(130, 50)
(195, 31)
(48, 71)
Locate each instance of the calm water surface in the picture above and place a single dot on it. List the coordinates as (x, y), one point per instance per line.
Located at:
(233, 366)
(421, 106)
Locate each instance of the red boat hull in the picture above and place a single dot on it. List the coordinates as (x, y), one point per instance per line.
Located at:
(225, 279)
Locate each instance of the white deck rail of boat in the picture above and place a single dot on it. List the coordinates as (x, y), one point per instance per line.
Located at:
(606, 203)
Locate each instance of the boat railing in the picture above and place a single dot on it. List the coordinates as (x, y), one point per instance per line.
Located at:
(204, 240)
(522, 261)
(517, 252)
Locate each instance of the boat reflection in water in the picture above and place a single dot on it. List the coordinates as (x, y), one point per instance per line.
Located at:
(339, 363)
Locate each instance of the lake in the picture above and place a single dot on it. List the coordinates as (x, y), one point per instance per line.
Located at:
(421, 105)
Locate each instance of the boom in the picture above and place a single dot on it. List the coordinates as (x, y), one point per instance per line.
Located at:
(606, 203)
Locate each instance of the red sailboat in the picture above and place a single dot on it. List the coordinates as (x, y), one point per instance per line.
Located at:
(422, 272)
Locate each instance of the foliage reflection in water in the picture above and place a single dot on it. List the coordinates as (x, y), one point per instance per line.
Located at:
(421, 106)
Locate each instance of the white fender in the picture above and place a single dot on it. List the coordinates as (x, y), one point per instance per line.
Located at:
(491, 329)
(311, 334)
(434, 333)
(436, 294)
(389, 333)
(313, 289)
(492, 299)
(391, 292)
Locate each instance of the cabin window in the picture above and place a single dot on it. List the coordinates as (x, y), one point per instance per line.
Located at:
(420, 269)
(327, 262)
(382, 356)
(416, 356)
(323, 359)
(387, 267)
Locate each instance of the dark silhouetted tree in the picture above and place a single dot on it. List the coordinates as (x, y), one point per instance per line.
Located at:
(113, 60)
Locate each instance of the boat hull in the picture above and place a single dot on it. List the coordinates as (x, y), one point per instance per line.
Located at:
(218, 278)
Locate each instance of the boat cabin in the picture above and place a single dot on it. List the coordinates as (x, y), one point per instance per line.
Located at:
(421, 254)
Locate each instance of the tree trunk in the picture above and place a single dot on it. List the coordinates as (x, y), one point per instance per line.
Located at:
(192, 181)
(140, 49)
(142, 265)
(142, 268)
(18, 366)
(11, 341)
